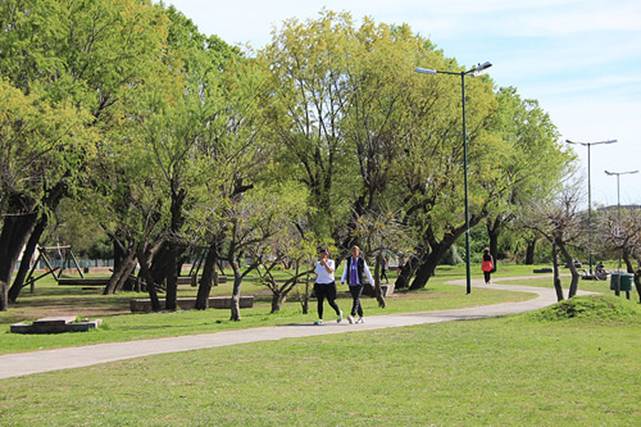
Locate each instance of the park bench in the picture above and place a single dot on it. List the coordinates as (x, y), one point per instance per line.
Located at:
(102, 281)
(140, 305)
(83, 281)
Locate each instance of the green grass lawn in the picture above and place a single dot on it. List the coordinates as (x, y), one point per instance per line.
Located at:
(510, 371)
(125, 327)
(600, 286)
(120, 325)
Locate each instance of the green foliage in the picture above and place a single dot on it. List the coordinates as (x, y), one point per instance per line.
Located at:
(323, 137)
(42, 143)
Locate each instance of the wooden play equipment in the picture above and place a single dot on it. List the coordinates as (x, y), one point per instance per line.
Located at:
(47, 255)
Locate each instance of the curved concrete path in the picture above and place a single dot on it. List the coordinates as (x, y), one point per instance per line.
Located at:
(19, 364)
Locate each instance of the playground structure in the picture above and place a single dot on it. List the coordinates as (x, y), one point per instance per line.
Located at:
(56, 260)
(62, 255)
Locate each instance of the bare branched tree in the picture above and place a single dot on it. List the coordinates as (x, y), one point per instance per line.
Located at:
(560, 222)
(621, 233)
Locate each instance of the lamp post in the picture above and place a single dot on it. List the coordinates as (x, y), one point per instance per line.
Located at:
(617, 291)
(589, 145)
(474, 70)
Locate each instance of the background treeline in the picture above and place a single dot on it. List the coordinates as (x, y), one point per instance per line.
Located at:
(124, 127)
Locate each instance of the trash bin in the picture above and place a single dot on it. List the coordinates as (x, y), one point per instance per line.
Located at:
(626, 281)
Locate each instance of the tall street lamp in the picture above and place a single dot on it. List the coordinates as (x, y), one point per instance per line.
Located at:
(474, 70)
(589, 145)
(618, 175)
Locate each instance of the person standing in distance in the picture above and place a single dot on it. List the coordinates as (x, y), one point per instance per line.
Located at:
(325, 285)
(356, 270)
(487, 265)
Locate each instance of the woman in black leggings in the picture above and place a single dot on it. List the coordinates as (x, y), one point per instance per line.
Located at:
(355, 273)
(325, 286)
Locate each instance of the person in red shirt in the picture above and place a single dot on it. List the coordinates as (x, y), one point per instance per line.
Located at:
(487, 265)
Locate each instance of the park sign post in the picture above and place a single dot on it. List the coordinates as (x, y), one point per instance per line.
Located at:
(474, 70)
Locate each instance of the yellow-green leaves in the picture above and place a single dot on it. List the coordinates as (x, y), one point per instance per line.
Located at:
(41, 143)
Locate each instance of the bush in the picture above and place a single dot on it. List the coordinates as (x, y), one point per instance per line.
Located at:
(598, 307)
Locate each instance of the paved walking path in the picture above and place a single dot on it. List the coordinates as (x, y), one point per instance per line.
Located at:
(19, 364)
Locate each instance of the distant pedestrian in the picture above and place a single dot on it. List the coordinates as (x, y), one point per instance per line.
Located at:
(355, 273)
(384, 267)
(487, 265)
(325, 285)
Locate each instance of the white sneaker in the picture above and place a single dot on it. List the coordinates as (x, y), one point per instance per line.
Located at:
(340, 317)
(350, 319)
(360, 320)
(319, 322)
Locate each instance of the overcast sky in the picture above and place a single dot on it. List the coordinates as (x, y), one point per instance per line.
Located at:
(580, 58)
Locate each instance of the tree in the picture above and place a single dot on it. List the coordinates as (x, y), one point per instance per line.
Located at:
(621, 233)
(72, 53)
(255, 219)
(42, 144)
(536, 162)
(307, 63)
(431, 180)
(288, 258)
(382, 234)
(558, 219)
(233, 154)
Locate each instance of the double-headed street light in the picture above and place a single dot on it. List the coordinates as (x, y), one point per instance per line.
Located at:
(474, 70)
(618, 175)
(589, 145)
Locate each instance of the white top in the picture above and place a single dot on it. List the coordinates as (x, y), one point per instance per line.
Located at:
(368, 274)
(322, 276)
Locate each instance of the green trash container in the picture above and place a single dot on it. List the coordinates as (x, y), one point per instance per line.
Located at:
(626, 281)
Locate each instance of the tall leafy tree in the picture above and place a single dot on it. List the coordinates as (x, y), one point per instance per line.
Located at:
(536, 162)
(74, 52)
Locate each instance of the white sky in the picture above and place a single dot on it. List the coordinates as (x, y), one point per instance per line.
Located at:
(580, 58)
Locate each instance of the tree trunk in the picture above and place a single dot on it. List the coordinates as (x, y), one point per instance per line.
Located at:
(277, 301)
(637, 282)
(427, 268)
(175, 249)
(119, 254)
(557, 278)
(493, 231)
(163, 269)
(144, 271)
(407, 271)
(121, 274)
(574, 284)
(235, 295)
(377, 280)
(40, 219)
(438, 249)
(631, 270)
(209, 276)
(16, 230)
(171, 291)
(305, 301)
(27, 255)
(530, 250)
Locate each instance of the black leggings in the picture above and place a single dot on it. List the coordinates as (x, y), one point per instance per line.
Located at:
(384, 275)
(486, 275)
(356, 292)
(326, 290)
